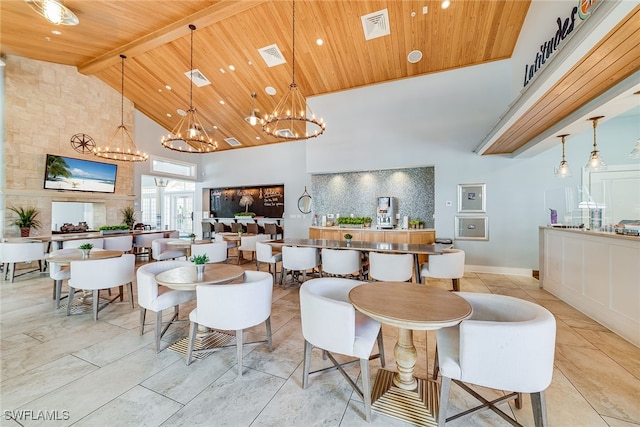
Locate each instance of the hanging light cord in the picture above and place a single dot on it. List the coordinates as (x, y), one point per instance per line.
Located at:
(563, 148)
(122, 92)
(595, 123)
(192, 28)
(293, 50)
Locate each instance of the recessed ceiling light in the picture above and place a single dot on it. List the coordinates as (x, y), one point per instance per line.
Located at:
(249, 62)
(56, 32)
(270, 90)
(168, 87)
(169, 115)
(222, 70)
(47, 38)
(159, 90)
(445, 4)
(232, 68)
(181, 112)
(215, 127)
(221, 102)
(319, 42)
(257, 137)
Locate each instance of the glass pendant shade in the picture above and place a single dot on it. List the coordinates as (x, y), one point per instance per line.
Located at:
(595, 162)
(54, 12)
(563, 170)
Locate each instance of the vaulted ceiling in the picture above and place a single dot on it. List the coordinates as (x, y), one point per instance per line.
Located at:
(155, 37)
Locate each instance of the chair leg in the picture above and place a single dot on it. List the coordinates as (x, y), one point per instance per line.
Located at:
(70, 300)
(239, 351)
(445, 387)
(306, 364)
(57, 291)
(269, 338)
(96, 301)
(456, 284)
(192, 337)
(539, 405)
(143, 314)
(158, 330)
(130, 290)
(436, 364)
(381, 348)
(366, 388)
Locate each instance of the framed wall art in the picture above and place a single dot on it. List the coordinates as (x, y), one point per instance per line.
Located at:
(471, 198)
(472, 228)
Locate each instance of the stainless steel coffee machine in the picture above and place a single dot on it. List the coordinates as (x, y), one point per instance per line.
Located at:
(386, 212)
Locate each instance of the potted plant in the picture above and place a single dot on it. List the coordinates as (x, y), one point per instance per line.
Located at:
(192, 236)
(348, 238)
(27, 219)
(199, 261)
(414, 223)
(85, 248)
(128, 216)
(367, 221)
(114, 229)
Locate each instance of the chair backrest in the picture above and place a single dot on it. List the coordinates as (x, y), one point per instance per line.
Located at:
(507, 343)
(97, 243)
(216, 251)
(264, 252)
(118, 243)
(55, 270)
(144, 240)
(248, 243)
(146, 280)
(206, 226)
(449, 265)
(174, 234)
(338, 261)
(271, 229)
(236, 306)
(297, 258)
(102, 273)
(11, 252)
(328, 318)
(236, 226)
(390, 267)
(218, 227)
(159, 246)
(252, 228)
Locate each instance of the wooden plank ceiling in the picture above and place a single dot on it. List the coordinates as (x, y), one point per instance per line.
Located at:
(155, 37)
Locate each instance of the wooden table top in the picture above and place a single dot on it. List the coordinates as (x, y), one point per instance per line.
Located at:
(186, 278)
(187, 243)
(234, 237)
(403, 248)
(77, 256)
(410, 305)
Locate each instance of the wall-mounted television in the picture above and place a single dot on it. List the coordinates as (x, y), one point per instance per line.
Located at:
(69, 174)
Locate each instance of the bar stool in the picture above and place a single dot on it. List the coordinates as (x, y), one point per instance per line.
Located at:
(206, 230)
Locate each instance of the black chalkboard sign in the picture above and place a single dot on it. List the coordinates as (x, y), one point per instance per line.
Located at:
(266, 201)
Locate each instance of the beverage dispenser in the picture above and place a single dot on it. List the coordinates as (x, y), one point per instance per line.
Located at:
(386, 212)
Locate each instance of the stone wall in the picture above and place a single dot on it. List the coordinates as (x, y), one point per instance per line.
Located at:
(45, 104)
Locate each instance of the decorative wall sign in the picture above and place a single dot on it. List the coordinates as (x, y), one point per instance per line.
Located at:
(472, 228)
(264, 201)
(471, 198)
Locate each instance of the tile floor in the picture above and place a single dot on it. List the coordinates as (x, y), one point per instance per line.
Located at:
(88, 373)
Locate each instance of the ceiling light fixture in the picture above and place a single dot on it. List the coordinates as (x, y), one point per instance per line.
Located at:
(189, 135)
(289, 119)
(54, 11)
(161, 182)
(254, 117)
(595, 162)
(563, 170)
(121, 146)
(445, 4)
(635, 153)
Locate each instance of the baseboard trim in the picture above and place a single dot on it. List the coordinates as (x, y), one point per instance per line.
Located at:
(498, 270)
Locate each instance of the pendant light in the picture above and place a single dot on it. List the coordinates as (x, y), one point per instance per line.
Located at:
(121, 146)
(54, 11)
(595, 162)
(253, 118)
(189, 135)
(563, 170)
(291, 112)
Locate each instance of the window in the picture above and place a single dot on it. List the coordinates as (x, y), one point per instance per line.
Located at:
(173, 167)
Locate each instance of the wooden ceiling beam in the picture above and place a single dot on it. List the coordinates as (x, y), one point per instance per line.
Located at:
(210, 15)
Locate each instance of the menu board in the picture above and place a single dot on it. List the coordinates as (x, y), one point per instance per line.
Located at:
(265, 201)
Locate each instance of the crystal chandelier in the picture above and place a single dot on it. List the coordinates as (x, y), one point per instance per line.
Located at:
(289, 119)
(563, 170)
(189, 135)
(595, 162)
(121, 146)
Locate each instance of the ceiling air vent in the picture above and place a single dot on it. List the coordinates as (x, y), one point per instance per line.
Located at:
(285, 133)
(232, 142)
(272, 55)
(198, 78)
(376, 24)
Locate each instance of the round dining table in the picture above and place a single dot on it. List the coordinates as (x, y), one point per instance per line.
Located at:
(409, 307)
(65, 259)
(186, 244)
(187, 278)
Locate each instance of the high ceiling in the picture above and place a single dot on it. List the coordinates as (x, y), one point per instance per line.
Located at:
(155, 37)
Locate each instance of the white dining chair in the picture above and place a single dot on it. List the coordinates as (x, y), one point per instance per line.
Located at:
(119, 243)
(233, 307)
(216, 251)
(390, 267)
(339, 262)
(264, 253)
(142, 243)
(12, 253)
(506, 344)
(247, 244)
(156, 298)
(102, 274)
(449, 265)
(332, 324)
(298, 260)
(161, 250)
(58, 273)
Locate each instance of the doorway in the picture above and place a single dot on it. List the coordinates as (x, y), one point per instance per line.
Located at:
(167, 204)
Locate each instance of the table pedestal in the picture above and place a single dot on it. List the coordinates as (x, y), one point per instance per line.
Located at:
(400, 394)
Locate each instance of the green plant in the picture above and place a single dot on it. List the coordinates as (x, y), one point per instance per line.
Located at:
(251, 214)
(85, 246)
(27, 217)
(367, 219)
(128, 216)
(356, 220)
(192, 236)
(348, 236)
(115, 227)
(414, 222)
(199, 259)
